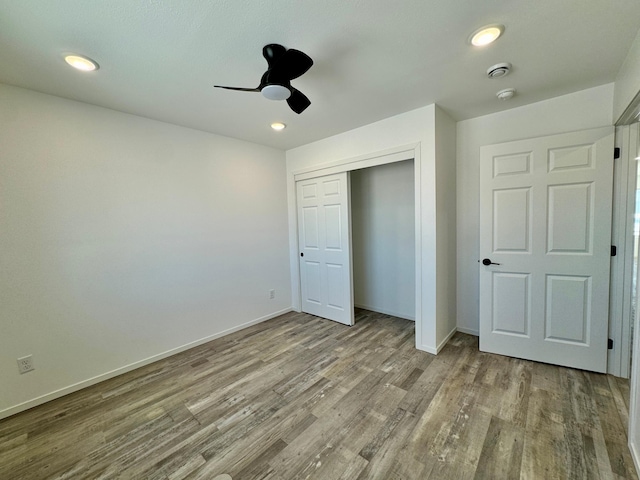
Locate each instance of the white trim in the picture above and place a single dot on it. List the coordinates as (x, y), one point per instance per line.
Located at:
(633, 431)
(397, 154)
(352, 317)
(417, 188)
(441, 345)
(634, 401)
(634, 454)
(469, 331)
(7, 412)
(630, 114)
(627, 320)
(624, 188)
(384, 311)
(391, 155)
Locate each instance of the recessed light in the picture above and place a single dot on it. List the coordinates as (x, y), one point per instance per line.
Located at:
(278, 126)
(81, 63)
(486, 35)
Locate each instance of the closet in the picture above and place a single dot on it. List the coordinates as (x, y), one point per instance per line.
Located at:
(383, 238)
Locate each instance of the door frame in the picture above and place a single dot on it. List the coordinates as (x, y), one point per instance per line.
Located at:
(633, 148)
(633, 428)
(624, 193)
(397, 154)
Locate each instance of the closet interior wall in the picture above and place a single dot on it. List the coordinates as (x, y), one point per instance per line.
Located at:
(383, 238)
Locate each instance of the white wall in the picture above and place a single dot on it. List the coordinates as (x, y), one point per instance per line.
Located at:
(627, 84)
(383, 239)
(122, 239)
(417, 127)
(581, 110)
(446, 225)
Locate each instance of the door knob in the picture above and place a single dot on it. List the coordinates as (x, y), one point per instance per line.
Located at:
(487, 261)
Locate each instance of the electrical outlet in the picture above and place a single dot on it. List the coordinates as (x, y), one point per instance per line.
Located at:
(25, 364)
(272, 294)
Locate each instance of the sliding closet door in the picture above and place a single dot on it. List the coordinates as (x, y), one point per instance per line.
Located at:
(324, 237)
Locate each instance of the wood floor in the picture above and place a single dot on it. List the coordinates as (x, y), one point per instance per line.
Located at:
(301, 397)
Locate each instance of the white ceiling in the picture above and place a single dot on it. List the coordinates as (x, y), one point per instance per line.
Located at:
(373, 58)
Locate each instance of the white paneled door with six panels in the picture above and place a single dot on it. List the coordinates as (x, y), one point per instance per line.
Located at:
(545, 246)
(324, 237)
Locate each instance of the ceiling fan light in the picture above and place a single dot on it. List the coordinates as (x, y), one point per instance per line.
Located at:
(276, 92)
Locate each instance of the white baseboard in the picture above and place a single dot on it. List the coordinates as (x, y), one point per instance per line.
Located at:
(127, 368)
(385, 312)
(443, 343)
(635, 455)
(440, 346)
(427, 349)
(470, 331)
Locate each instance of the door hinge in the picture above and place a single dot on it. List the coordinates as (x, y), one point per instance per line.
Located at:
(616, 153)
(610, 344)
(614, 250)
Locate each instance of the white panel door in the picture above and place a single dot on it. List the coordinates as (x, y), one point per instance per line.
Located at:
(545, 224)
(324, 237)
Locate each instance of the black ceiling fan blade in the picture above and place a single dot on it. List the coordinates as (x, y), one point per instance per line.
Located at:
(240, 89)
(298, 101)
(272, 53)
(293, 63)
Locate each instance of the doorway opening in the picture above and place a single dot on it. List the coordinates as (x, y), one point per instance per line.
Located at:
(383, 239)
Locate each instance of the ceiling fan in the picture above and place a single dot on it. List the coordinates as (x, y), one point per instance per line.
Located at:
(284, 66)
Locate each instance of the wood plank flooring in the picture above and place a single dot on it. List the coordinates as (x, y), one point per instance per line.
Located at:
(300, 397)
